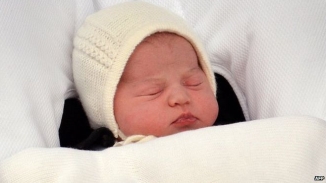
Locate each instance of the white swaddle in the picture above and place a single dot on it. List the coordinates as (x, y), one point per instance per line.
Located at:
(271, 52)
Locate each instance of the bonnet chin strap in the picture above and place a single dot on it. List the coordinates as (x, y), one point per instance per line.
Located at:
(103, 138)
(124, 140)
(134, 139)
(121, 135)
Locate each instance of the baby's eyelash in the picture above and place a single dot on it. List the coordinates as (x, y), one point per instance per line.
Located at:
(193, 83)
(153, 93)
(196, 84)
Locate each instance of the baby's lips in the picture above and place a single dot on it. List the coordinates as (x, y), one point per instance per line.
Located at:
(185, 119)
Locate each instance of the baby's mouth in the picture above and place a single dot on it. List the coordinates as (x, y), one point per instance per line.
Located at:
(185, 119)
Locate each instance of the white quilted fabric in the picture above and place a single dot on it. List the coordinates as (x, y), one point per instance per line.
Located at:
(35, 72)
(272, 53)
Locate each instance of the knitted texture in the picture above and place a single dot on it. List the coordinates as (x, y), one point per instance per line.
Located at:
(103, 46)
(258, 41)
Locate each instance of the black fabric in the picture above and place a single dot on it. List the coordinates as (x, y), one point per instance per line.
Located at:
(229, 106)
(99, 138)
(76, 132)
(74, 124)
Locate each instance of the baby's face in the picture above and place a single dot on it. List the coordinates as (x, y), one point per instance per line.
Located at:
(163, 90)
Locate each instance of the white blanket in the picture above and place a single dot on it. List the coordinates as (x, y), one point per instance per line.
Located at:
(288, 149)
(272, 53)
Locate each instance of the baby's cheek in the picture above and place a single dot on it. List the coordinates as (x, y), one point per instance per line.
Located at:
(137, 121)
(127, 123)
(209, 108)
(215, 112)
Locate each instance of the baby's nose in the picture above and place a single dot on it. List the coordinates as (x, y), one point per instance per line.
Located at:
(178, 96)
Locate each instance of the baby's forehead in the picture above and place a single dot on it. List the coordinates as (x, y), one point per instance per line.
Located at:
(160, 37)
(155, 53)
(167, 39)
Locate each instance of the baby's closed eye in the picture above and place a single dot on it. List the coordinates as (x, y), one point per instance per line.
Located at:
(153, 91)
(194, 81)
(150, 91)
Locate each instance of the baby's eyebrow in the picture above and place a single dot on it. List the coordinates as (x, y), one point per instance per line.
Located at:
(154, 81)
(148, 82)
(192, 71)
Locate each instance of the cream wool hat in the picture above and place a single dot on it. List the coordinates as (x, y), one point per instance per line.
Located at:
(103, 46)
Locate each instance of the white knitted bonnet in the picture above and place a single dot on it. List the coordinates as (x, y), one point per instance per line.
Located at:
(103, 46)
